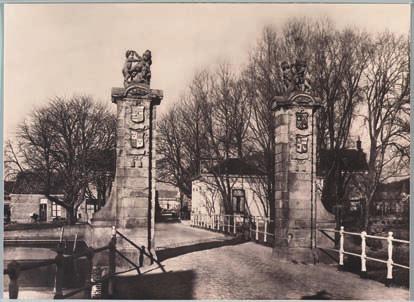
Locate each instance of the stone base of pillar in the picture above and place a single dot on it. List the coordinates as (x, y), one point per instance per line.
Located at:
(297, 255)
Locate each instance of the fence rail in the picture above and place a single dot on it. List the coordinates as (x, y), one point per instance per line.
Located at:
(363, 255)
(14, 268)
(257, 226)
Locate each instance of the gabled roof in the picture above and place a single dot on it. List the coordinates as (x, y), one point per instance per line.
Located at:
(350, 160)
(234, 166)
(29, 183)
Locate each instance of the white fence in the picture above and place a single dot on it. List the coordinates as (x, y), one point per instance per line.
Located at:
(363, 256)
(259, 227)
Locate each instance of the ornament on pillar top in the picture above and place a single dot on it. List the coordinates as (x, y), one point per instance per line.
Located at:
(294, 76)
(137, 69)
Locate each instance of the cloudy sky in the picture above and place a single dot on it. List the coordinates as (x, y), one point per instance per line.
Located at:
(79, 48)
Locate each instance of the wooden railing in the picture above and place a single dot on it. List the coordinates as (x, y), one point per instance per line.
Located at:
(363, 255)
(142, 253)
(14, 268)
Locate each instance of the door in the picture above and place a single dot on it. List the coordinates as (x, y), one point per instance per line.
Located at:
(43, 212)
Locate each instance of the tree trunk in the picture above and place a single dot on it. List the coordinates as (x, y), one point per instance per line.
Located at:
(71, 215)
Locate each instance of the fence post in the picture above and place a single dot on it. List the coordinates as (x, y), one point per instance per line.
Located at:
(228, 224)
(112, 259)
(363, 255)
(14, 272)
(389, 261)
(341, 248)
(265, 231)
(234, 224)
(224, 223)
(59, 259)
(257, 228)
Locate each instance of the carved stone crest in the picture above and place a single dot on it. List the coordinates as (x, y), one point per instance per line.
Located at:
(137, 139)
(137, 113)
(302, 143)
(137, 69)
(136, 162)
(302, 120)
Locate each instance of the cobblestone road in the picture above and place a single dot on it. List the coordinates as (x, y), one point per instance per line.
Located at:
(248, 271)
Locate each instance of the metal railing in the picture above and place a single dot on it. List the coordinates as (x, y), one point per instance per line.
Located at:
(258, 226)
(363, 255)
(14, 268)
(261, 225)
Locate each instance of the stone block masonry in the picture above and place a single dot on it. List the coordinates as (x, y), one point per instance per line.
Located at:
(132, 200)
(295, 175)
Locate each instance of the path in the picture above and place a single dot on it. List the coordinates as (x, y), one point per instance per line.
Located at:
(233, 270)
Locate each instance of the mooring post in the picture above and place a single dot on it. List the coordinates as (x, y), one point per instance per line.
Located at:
(112, 263)
(59, 259)
(141, 256)
(14, 272)
(88, 277)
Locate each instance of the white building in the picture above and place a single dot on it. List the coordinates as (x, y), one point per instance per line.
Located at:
(243, 182)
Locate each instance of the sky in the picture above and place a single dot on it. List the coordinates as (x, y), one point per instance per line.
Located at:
(79, 49)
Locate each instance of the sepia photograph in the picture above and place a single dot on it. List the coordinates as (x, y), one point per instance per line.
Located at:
(206, 151)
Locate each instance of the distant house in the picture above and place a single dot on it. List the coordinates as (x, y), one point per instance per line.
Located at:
(353, 162)
(168, 197)
(392, 198)
(245, 182)
(24, 197)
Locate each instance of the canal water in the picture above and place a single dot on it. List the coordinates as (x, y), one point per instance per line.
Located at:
(75, 272)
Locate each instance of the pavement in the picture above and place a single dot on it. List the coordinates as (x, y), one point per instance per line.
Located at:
(224, 268)
(172, 235)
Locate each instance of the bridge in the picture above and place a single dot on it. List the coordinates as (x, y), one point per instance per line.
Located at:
(124, 241)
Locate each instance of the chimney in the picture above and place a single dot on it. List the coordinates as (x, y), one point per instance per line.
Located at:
(358, 144)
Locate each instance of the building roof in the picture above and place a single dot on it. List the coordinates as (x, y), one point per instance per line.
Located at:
(392, 190)
(234, 166)
(29, 183)
(351, 160)
(167, 193)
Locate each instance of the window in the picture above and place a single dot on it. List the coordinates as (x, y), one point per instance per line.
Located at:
(90, 208)
(56, 210)
(238, 198)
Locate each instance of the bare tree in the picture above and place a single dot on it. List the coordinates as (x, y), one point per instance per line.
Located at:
(60, 142)
(12, 160)
(387, 113)
(263, 80)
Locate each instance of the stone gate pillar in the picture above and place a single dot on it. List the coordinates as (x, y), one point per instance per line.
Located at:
(295, 173)
(299, 212)
(131, 204)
